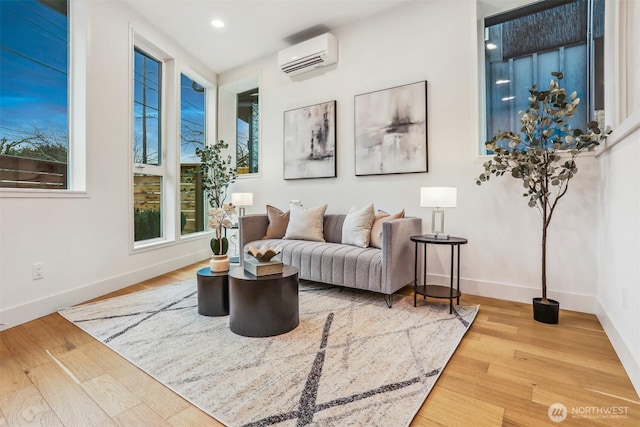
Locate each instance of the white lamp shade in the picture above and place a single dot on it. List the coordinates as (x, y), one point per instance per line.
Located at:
(438, 197)
(242, 199)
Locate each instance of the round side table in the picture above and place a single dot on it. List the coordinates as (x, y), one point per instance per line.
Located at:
(213, 293)
(437, 291)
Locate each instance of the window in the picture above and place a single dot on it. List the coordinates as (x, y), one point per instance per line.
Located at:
(149, 169)
(192, 136)
(247, 131)
(34, 124)
(518, 54)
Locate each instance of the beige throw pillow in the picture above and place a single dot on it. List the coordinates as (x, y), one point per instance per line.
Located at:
(356, 229)
(278, 222)
(376, 229)
(306, 223)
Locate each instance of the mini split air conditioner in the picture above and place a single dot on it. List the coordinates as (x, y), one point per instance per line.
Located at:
(317, 52)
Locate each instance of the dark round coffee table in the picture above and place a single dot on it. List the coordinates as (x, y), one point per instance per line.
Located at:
(263, 306)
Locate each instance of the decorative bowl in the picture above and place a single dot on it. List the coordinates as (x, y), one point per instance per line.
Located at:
(264, 253)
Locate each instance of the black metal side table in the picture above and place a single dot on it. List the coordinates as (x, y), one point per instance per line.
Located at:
(437, 291)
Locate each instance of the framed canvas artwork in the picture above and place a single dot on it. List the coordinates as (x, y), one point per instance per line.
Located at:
(310, 141)
(391, 130)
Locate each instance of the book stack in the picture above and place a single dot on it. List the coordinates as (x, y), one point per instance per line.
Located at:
(262, 268)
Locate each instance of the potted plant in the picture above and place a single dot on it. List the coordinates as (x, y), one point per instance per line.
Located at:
(542, 155)
(220, 218)
(217, 174)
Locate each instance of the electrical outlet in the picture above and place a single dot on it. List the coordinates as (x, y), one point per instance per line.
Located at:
(38, 270)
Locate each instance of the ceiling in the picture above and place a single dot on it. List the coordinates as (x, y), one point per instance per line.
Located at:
(253, 28)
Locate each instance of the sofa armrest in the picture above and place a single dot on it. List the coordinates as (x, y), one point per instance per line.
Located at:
(250, 228)
(398, 252)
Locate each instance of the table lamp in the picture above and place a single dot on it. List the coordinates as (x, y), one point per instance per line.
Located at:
(438, 198)
(241, 200)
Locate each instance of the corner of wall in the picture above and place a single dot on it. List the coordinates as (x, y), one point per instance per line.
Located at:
(630, 364)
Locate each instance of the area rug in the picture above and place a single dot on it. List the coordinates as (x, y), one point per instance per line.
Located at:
(352, 361)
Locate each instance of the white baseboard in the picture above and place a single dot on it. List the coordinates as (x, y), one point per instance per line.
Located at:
(568, 301)
(23, 313)
(626, 357)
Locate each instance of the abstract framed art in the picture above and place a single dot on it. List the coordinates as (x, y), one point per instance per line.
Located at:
(391, 130)
(310, 141)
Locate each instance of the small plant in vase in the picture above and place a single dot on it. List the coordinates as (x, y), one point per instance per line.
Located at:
(217, 174)
(542, 155)
(220, 218)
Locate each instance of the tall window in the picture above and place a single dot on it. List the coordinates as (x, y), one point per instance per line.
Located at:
(192, 136)
(149, 169)
(34, 123)
(247, 131)
(523, 47)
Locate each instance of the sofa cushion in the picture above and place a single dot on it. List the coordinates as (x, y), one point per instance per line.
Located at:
(278, 222)
(356, 229)
(376, 229)
(306, 223)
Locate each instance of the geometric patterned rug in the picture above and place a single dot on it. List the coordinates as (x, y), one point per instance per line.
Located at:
(352, 361)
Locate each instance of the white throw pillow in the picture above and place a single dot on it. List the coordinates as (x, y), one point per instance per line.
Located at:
(356, 229)
(306, 223)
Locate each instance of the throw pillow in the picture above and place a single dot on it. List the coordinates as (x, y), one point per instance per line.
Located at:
(356, 229)
(306, 223)
(278, 222)
(376, 229)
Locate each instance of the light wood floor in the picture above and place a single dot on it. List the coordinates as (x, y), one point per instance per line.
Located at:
(507, 371)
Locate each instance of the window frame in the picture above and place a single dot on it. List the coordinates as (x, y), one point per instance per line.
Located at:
(76, 117)
(227, 121)
(210, 121)
(167, 152)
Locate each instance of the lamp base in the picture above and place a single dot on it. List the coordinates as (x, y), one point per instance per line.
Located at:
(437, 236)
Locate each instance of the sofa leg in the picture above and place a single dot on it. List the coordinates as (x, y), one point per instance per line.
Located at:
(388, 299)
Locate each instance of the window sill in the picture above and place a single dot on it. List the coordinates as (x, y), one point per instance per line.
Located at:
(21, 193)
(626, 128)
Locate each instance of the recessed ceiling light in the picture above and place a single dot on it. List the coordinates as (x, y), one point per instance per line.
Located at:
(508, 98)
(502, 82)
(217, 23)
(491, 46)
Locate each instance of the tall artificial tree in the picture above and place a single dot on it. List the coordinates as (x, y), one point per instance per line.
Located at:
(542, 154)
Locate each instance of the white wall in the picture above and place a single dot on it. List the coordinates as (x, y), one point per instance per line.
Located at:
(435, 41)
(619, 213)
(84, 240)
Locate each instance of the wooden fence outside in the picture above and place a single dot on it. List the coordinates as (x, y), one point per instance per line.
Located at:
(21, 172)
(147, 196)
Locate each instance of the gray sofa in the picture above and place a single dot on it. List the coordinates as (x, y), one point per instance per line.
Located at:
(383, 270)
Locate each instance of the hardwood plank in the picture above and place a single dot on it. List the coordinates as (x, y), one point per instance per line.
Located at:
(450, 408)
(13, 376)
(193, 417)
(27, 407)
(140, 415)
(81, 365)
(149, 391)
(69, 401)
(110, 395)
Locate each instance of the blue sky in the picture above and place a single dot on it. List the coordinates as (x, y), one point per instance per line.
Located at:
(33, 79)
(33, 68)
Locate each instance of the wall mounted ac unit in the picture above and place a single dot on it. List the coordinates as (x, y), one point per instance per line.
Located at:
(317, 52)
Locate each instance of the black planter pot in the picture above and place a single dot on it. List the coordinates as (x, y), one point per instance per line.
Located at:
(546, 312)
